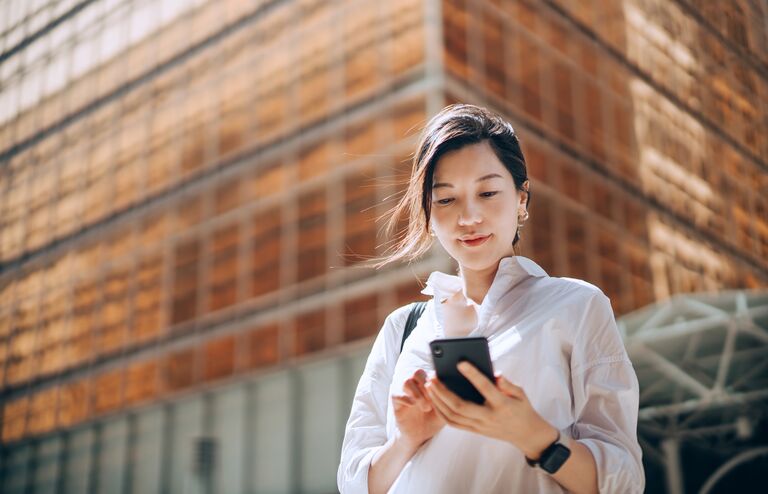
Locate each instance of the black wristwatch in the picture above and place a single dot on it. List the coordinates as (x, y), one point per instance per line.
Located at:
(553, 457)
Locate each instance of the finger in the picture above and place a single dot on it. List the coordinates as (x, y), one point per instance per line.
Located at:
(420, 376)
(455, 403)
(439, 411)
(509, 389)
(482, 383)
(401, 401)
(445, 412)
(424, 396)
(409, 388)
(419, 379)
(420, 396)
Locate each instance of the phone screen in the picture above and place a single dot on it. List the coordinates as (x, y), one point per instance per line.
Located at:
(447, 353)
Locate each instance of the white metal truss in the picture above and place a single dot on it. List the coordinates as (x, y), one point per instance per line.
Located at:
(702, 364)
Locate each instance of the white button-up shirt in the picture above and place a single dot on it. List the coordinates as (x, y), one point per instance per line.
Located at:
(556, 338)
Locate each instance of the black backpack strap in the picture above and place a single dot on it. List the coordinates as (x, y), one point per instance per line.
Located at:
(417, 309)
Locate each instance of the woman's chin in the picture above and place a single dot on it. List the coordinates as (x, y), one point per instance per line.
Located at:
(478, 263)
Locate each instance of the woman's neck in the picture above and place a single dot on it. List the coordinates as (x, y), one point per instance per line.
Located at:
(477, 283)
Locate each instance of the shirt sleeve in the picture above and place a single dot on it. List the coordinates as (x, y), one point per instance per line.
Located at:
(366, 432)
(606, 400)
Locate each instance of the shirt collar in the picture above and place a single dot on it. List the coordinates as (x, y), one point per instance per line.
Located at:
(512, 271)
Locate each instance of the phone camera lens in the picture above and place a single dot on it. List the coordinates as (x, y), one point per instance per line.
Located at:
(438, 351)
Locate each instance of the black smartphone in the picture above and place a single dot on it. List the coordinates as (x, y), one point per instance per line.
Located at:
(447, 353)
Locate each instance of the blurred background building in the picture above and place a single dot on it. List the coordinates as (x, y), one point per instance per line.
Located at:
(188, 190)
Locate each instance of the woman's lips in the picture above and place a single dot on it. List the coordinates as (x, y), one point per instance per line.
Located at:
(475, 242)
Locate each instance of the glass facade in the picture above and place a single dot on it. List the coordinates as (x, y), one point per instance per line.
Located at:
(188, 190)
(275, 432)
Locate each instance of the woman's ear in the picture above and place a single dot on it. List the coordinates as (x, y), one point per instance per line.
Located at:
(523, 199)
(524, 193)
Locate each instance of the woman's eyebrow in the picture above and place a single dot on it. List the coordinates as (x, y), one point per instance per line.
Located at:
(484, 177)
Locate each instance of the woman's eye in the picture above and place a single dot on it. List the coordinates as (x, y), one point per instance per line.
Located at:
(489, 194)
(444, 201)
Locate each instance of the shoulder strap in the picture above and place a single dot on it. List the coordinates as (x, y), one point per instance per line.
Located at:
(417, 308)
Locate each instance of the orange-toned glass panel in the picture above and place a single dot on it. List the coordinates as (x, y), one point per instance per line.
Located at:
(360, 139)
(407, 36)
(529, 72)
(575, 231)
(180, 369)
(312, 235)
(219, 358)
(15, 418)
(190, 212)
(563, 98)
(539, 227)
(142, 380)
(361, 318)
(610, 270)
(42, 417)
(234, 119)
(108, 390)
(407, 117)
(310, 332)
(269, 179)
(115, 311)
(494, 56)
(265, 256)
(360, 213)
(185, 281)
(74, 406)
(148, 299)
(455, 37)
(315, 160)
(571, 177)
(408, 292)
(227, 195)
(224, 267)
(263, 346)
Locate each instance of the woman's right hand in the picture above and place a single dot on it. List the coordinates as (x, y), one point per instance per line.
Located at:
(416, 417)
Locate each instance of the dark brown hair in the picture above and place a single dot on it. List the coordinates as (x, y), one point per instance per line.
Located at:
(454, 127)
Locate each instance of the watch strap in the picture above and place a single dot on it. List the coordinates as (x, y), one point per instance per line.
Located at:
(534, 463)
(553, 456)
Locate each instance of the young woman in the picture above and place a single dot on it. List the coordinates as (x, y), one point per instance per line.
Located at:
(562, 412)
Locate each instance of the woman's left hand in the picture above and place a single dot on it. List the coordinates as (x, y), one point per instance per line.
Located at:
(506, 415)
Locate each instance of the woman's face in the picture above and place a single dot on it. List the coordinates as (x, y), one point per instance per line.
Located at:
(475, 206)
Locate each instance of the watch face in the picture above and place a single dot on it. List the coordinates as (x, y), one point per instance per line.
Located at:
(555, 458)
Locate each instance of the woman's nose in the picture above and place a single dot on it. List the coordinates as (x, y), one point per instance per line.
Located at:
(470, 214)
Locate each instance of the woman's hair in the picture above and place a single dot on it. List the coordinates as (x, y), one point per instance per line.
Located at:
(454, 127)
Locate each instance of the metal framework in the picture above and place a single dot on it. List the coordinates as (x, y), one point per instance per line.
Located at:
(702, 363)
